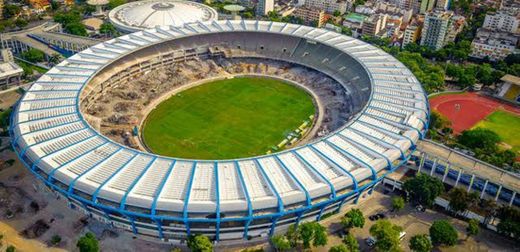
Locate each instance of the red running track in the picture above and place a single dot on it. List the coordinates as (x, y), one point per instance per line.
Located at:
(466, 110)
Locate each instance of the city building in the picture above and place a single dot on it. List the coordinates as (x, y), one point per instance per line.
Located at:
(10, 72)
(411, 34)
(501, 21)
(140, 15)
(509, 89)
(455, 26)
(426, 6)
(435, 28)
(310, 16)
(329, 6)
(442, 4)
(354, 21)
(374, 24)
(40, 5)
(492, 44)
(264, 7)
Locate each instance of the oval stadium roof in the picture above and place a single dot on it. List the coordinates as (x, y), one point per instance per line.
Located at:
(54, 140)
(140, 15)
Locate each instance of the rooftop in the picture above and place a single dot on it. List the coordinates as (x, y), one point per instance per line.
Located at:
(511, 79)
(140, 15)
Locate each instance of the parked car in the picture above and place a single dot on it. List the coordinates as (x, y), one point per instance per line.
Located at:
(370, 241)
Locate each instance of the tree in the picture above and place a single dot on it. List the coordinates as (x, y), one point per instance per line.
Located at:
(33, 55)
(293, 235)
(10, 248)
(312, 232)
(88, 243)
(443, 233)
(353, 218)
(11, 10)
(509, 222)
(397, 203)
(460, 199)
(55, 240)
(472, 228)
(386, 235)
(420, 243)
(21, 23)
(76, 28)
(336, 13)
(479, 138)
(339, 248)
(108, 29)
(280, 243)
(199, 243)
(114, 3)
(423, 189)
(351, 243)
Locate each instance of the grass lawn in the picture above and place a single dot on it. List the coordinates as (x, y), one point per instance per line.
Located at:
(224, 119)
(506, 125)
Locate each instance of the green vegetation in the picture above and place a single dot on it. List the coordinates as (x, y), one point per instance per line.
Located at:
(88, 243)
(430, 75)
(4, 119)
(226, 119)
(461, 200)
(114, 3)
(509, 225)
(199, 243)
(484, 142)
(353, 218)
(386, 235)
(443, 233)
(33, 55)
(420, 243)
(10, 248)
(423, 189)
(108, 29)
(301, 237)
(71, 21)
(505, 125)
(350, 242)
(472, 229)
(55, 240)
(397, 203)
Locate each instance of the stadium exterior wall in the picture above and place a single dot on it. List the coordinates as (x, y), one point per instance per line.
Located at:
(219, 225)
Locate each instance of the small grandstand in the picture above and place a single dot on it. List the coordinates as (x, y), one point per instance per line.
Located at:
(383, 112)
(510, 88)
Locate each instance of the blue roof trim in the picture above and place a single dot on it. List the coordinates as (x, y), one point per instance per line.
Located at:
(95, 194)
(323, 178)
(284, 167)
(53, 107)
(161, 186)
(366, 149)
(405, 107)
(345, 171)
(65, 147)
(122, 204)
(217, 212)
(390, 132)
(51, 91)
(73, 182)
(188, 193)
(45, 118)
(246, 194)
(47, 128)
(50, 139)
(379, 141)
(270, 183)
(351, 157)
(51, 174)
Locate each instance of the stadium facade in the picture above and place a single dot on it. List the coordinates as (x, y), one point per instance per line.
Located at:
(170, 198)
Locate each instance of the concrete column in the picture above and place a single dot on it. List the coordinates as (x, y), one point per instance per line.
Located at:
(471, 182)
(446, 170)
(512, 199)
(433, 167)
(484, 189)
(458, 177)
(498, 192)
(421, 163)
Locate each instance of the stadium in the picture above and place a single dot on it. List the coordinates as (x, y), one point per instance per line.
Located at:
(59, 136)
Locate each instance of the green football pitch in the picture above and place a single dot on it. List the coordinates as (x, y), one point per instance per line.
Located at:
(506, 125)
(231, 118)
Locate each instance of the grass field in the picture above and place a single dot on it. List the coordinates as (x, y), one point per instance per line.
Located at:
(224, 119)
(506, 125)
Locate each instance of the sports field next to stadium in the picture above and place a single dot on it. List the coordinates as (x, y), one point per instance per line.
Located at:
(506, 125)
(228, 118)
